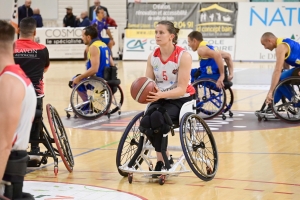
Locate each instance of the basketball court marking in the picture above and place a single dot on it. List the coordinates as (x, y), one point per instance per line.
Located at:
(52, 190)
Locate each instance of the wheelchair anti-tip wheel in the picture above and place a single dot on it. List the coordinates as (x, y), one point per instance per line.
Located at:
(91, 98)
(199, 146)
(128, 145)
(60, 137)
(286, 109)
(117, 101)
(210, 100)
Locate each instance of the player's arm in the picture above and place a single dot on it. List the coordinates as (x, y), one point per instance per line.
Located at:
(149, 69)
(95, 62)
(281, 51)
(228, 60)
(109, 34)
(10, 112)
(47, 60)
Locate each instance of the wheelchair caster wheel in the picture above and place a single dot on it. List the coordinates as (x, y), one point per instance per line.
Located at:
(44, 161)
(223, 117)
(108, 115)
(265, 119)
(259, 118)
(119, 112)
(162, 179)
(130, 176)
(230, 114)
(68, 115)
(55, 171)
(75, 116)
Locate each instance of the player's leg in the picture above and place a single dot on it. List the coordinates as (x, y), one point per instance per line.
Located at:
(284, 90)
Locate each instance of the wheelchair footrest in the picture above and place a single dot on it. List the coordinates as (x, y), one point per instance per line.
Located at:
(134, 171)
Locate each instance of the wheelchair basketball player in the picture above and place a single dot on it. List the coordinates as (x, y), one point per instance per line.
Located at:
(170, 66)
(17, 109)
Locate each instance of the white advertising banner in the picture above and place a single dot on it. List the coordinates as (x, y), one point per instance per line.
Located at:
(139, 49)
(254, 19)
(66, 43)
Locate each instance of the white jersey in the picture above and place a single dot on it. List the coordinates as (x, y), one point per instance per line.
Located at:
(21, 136)
(166, 73)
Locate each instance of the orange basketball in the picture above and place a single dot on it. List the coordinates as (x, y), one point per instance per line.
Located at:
(140, 89)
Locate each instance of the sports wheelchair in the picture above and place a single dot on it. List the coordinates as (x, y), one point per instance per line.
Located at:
(210, 100)
(95, 96)
(197, 144)
(60, 139)
(287, 108)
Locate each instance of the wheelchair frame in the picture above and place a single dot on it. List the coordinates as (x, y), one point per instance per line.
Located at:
(143, 150)
(109, 100)
(222, 108)
(60, 138)
(286, 106)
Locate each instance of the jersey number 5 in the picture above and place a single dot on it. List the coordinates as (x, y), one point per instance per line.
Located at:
(165, 77)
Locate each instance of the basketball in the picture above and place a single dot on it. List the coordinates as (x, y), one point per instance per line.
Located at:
(140, 89)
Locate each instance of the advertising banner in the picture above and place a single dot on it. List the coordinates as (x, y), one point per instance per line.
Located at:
(217, 20)
(66, 43)
(282, 19)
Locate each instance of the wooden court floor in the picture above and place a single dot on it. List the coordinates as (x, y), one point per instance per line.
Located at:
(256, 160)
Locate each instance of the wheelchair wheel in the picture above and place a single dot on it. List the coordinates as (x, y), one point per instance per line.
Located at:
(60, 137)
(91, 98)
(117, 100)
(229, 100)
(210, 100)
(199, 146)
(129, 143)
(287, 109)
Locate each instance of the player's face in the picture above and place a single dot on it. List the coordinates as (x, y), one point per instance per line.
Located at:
(162, 35)
(100, 14)
(267, 43)
(85, 38)
(192, 43)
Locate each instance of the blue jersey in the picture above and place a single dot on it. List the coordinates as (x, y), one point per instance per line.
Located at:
(293, 56)
(208, 65)
(104, 57)
(101, 25)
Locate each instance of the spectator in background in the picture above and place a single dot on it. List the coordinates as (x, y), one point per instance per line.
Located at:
(38, 18)
(92, 11)
(25, 10)
(110, 21)
(70, 19)
(85, 20)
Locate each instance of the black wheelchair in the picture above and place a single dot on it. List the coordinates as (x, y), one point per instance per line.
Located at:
(286, 109)
(41, 135)
(134, 153)
(95, 96)
(212, 101)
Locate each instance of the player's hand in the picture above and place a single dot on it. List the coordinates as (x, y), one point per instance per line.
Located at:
(76, 80)
(154, 96)
(220, 83)
(230, 77)
(269, 98)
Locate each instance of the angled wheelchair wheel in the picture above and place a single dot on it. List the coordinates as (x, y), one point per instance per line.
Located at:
(288, 108)
(60, 137)
(91, 98)
(129, 143)
(210, 100)
(117, 101)
(199, 146)
(229, 100)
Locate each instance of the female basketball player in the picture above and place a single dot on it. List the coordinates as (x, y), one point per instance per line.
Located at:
(170, 67)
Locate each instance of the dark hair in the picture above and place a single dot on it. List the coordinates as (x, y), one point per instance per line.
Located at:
(171, 29)
(7, 32)
(196, 35)
(27, 26)
(98, 9)
(91, 31)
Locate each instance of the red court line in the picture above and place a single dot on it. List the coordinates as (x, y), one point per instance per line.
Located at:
(224, 187)
(254, 190)
(283, 192)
